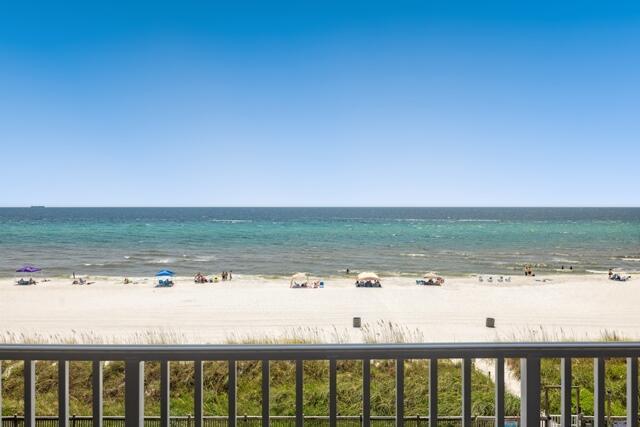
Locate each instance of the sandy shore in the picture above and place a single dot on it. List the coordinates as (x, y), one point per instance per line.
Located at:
(564, 306)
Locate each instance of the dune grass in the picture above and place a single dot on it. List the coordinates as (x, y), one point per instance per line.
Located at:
(316, 388)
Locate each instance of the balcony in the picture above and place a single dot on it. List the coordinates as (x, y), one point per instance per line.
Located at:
(134, 357)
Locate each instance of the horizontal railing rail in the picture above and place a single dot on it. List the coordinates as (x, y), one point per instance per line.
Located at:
(135, 356)
(318, 351)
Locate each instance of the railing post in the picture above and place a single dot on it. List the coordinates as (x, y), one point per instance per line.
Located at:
(134, 393)
(530, 391)
(333, 393)
(63, 393)
(366, 393)
(299, 394)
(165, 393)
(433, 392)
(197, 393)
(632, 392)
(466, 392)
(499, 383)
(232, 393)
(598, 392)
(1, 424)
(399, 392)
(29, 393)
(96, 383)
(265, 393)
(565, 392)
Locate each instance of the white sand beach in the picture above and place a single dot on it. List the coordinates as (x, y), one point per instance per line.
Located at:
(563, 306)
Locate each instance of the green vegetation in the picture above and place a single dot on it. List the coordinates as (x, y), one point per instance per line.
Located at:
(316, 388)
(582, 370)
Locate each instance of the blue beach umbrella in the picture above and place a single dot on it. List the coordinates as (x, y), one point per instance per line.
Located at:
(165, 273)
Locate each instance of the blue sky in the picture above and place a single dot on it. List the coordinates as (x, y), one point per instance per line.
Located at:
(320, 103)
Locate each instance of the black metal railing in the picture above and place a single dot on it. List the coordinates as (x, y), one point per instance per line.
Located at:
(254, 421)
(134, 357)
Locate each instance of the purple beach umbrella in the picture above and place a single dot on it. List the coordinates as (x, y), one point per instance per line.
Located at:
(28, 269)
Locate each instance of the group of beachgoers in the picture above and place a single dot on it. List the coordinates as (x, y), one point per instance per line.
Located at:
(499, 279)
(313, 284)
(617, 277)
(368, 284)
(80, 280)
(201, 278)
(528, 271)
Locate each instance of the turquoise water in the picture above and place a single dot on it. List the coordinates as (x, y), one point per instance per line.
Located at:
(278, 241)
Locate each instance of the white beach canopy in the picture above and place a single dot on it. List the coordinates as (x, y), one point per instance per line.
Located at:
(367, 276)
(430, 275)
(299, 277)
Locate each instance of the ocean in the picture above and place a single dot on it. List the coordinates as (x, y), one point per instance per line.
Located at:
(323, 241)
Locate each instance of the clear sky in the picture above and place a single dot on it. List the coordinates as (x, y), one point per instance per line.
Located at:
(320, 103)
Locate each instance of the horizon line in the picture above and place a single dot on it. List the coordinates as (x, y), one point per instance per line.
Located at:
(321, 206)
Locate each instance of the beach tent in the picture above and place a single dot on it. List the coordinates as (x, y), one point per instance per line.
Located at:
(431, 276)
(28, 268)
(162, 273)
(368, 280)
(299, 278)
(364, 276)
(165, 273)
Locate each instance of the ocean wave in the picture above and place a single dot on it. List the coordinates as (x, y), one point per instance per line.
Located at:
(203, 258)
(418, 255)
(230, 221)
(160, 261)
(566, 261)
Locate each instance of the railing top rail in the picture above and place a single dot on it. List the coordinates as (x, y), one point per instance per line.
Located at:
(318, 351)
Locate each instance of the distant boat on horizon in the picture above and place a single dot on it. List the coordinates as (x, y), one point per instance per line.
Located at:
(37, 207)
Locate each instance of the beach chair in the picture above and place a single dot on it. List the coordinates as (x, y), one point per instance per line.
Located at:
(480, 279)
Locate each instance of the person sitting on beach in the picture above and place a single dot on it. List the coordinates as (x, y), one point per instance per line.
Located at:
(126, 281)
(610, 272)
